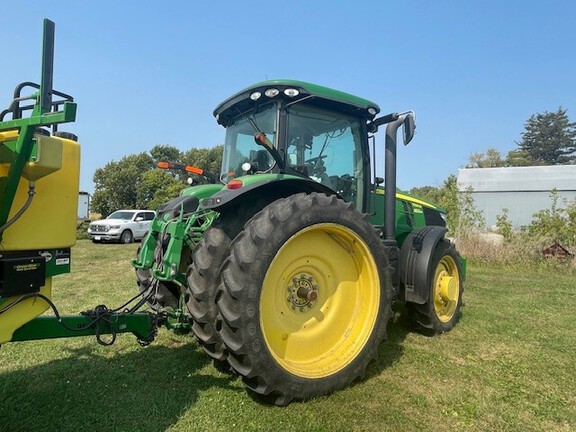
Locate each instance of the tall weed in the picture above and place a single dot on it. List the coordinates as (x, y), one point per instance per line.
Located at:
(522, 251)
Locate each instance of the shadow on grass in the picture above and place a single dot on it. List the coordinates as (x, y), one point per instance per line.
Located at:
(143, 390)
(147, 389)
(392, 350)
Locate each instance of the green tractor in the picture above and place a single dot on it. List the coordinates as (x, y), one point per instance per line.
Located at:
(284, 266)
(287, 263)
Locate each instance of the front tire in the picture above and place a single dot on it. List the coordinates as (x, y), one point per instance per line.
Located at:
(305, 298)
(443, 309)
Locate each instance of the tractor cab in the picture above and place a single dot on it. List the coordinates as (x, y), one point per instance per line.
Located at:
(290, 130)
(299, 129)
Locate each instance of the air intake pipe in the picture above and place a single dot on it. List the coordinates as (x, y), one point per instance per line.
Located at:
(396, 120)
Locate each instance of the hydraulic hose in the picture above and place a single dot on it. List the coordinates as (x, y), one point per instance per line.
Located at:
(31, 193)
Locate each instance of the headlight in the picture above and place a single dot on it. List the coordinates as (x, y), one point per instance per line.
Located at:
(272, 92)
(291, 92)
(113, 226)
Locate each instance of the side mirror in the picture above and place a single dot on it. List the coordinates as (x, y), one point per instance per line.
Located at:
(262, 139)
(409, 128)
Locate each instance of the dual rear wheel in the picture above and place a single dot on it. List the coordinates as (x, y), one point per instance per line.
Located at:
(304, 298)
(297, 299)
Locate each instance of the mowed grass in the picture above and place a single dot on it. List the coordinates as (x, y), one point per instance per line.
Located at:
(509, 365)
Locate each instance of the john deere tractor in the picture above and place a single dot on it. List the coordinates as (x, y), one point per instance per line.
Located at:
(289, 261)
(284, 265)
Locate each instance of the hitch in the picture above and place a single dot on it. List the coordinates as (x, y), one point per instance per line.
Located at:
(143, 325)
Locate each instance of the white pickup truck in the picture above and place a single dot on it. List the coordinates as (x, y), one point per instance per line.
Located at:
(122, 226)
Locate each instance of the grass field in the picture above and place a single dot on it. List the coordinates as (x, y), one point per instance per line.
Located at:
(509, 365)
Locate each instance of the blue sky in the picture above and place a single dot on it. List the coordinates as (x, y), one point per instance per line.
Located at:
(148, 73)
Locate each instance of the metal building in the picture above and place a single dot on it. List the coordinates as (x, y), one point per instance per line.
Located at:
(522, 190)
(83, 206)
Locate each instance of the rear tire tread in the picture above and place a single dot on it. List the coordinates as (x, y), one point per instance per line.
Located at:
(202, 277)
(249, 355)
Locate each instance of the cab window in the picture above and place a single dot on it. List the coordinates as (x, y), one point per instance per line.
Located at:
(327, 147)
(240, 146)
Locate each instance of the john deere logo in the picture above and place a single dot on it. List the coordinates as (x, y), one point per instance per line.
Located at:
(26, 267)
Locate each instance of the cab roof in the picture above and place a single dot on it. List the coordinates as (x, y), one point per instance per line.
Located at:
(316, 94)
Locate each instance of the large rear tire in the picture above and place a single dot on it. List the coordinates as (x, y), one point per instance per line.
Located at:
(305, 298)
(202, 278)
(443, 309)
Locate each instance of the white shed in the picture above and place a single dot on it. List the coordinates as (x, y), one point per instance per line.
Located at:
(83, 205)
(522, 190)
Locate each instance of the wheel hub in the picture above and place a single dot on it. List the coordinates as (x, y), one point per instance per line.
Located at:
(448, 288)
(302, 291)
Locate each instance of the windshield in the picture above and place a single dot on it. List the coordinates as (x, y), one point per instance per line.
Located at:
(240, 146)
(125, 215)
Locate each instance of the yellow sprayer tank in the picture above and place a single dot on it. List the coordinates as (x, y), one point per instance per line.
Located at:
(50, 221)
(48, 224)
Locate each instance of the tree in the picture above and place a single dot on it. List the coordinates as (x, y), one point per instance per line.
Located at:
(134, 181)
(462, 217)
(156, 187)
(427, 193)
(550, 138)
(207, 159)
(519, 157)
(115, 184)
(469, 217)
(165, 153)
(490, 159)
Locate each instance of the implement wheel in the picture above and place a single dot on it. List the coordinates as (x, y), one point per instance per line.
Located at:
(442, 310)
(305, 298)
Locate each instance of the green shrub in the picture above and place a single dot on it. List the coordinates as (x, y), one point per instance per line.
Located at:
(556, 223)
(504, 225)
(81, 230)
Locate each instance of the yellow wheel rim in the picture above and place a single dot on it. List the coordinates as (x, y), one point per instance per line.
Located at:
(446, 288)
(320, 300)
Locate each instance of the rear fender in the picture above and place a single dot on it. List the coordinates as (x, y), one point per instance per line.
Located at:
(414, 264)
(268, 190)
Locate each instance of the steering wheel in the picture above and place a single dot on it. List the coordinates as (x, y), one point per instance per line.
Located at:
(315, 159)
